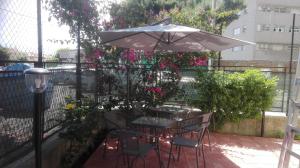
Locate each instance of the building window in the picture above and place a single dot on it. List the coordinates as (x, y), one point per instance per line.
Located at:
(236, 31)
(277, 9)
(238, 48)
(296, 48)
(258, 27)
(279, 28)
(244, 29)
(296, 29)
(277, 47)
(264, 8)
(263, 46)
(265, 28)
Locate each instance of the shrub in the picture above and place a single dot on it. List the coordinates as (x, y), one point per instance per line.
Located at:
(234, 96)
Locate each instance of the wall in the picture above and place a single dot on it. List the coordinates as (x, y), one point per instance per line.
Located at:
(274, 126)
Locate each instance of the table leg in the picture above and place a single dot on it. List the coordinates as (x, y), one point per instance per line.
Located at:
(161, 164)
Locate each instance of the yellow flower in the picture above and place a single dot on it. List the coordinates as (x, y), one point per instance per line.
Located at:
(70, 106)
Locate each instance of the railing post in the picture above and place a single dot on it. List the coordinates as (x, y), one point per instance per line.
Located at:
(283, 93)
(97, 83)
(262, 129)
(291, 60)
(78, 66)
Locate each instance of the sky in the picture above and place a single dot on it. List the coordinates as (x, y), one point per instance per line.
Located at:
(18, 27)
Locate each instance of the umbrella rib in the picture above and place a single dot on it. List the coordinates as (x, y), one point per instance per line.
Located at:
(152, 35)
(182, 38)
(120, 38)
(173, 36)
(158, 40)
(205, 46)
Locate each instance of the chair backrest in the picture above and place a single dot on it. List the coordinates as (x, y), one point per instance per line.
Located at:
(129, 140)
(206, 117)
(185, 123)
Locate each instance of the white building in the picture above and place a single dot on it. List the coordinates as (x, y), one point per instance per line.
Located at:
(268, 23)
(70, 55)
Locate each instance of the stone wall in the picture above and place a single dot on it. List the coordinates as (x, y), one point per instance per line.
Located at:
(274, 126)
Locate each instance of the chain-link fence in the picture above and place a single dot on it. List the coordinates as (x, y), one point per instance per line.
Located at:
(19, 51)
(16, 107)
(18, 41)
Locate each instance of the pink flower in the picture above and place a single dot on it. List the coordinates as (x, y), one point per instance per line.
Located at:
(98, 53)
(157, 89)
(130, 55)
(198, 61)
(154, 89)
(163, 63)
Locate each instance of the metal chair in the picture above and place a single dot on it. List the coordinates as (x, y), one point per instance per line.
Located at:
(131, 146)
(203, 120)
(181, 141)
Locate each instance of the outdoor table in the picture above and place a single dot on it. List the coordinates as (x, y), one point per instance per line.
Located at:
(155, 123)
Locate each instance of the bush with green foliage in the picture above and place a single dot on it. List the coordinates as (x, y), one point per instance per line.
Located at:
(234, 96)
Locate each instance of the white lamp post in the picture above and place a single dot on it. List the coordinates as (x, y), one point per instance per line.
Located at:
(37, 81)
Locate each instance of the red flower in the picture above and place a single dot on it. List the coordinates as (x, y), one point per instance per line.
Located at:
(198, 61)
(148, 54)
(130, 55)
(98, 53)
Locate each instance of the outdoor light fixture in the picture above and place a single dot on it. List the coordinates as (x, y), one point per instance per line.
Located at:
(37, 81)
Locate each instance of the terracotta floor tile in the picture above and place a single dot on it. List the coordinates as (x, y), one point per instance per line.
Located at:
(228, 151)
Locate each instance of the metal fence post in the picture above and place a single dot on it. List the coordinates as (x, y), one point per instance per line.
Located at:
(283, 93)
(78, 66)
(262, 129)
(291, 60)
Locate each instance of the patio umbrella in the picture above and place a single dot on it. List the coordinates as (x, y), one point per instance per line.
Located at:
(168, 37)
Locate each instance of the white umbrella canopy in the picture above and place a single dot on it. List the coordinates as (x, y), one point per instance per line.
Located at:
(168, 37)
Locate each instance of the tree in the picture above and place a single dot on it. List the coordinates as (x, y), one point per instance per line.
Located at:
(133, 13)
(4, 55)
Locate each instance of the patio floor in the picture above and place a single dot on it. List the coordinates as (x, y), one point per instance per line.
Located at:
(228, 151)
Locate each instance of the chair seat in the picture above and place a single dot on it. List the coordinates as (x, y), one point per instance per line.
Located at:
(192, 128)
(141, 150)
(185, 142)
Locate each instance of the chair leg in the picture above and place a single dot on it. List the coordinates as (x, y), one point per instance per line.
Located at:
(105, 148)
(132, 162)
(118, 143)
(170, 155)
(118, 158)
(179, 150)
(203, 155)
(197, 157)
(128, 161)
(144, 162)
(124, 160)
(208, 135)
